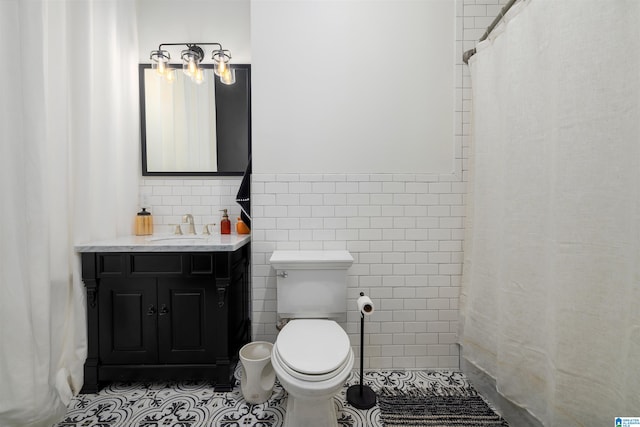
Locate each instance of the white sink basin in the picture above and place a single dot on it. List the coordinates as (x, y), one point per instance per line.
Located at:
(178, 238)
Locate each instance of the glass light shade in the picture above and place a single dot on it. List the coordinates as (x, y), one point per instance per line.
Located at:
(229, 76)
(191, 58)
(160, 67)
(190, 67)
(221, 59)
(159, 61)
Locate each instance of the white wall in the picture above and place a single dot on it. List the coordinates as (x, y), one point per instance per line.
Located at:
(177, 21)
(353, 86)
(404, 229)
(365, 164)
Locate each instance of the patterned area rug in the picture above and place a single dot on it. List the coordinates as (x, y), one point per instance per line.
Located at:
(195, 404)
(437, 406)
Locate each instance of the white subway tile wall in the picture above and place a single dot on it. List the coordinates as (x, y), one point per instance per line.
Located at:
(170, 199)
(405, 232)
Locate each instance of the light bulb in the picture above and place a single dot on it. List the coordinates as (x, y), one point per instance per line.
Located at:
(198, 77)
(162, 67)
(222, 67)
(221, 59)
(229, 76)
(170, 75)
(193, 68)
(190, 67)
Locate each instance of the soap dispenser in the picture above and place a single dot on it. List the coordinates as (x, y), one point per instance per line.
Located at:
(144, 223)
(225, 224)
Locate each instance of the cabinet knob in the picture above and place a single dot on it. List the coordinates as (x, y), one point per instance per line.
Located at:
(151, 310)
(163, 310)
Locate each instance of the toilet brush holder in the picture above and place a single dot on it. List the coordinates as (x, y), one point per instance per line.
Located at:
(361, 396)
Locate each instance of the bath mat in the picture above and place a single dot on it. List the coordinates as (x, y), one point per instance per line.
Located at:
(437, 406)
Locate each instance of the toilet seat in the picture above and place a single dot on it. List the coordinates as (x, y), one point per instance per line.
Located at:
(312, 349)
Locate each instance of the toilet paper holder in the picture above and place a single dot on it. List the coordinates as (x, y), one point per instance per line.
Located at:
(362, 396)
(365, 305)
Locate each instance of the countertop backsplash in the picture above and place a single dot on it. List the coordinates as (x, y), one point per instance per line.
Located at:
(169, 199)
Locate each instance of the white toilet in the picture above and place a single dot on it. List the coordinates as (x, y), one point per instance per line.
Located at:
(312, 355)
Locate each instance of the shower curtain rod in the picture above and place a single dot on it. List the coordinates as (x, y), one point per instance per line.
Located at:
(468, 54)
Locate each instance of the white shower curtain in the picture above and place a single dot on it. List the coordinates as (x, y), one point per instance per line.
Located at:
(68, 167)
(550, 300)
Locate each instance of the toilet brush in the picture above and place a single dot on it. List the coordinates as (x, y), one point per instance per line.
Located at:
(361, 396)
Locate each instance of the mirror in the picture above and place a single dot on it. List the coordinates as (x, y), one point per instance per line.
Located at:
(194, 129)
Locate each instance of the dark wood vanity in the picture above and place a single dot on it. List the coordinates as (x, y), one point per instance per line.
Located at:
(165, 315)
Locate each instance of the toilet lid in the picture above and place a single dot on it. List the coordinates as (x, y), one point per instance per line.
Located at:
(313, 346)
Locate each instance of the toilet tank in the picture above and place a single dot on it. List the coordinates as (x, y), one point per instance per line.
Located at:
(311, 284)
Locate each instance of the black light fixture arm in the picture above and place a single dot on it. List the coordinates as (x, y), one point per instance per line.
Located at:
(193, 48)
(190, 45)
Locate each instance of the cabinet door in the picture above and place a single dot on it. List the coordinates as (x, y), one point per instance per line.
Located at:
(186, 329)
(127, 317)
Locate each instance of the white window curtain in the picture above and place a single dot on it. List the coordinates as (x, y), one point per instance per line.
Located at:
(551, 284)
(68, 174)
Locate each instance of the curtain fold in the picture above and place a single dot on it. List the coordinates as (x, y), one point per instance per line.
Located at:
(69, 169)
(180, 123)
(551, 281)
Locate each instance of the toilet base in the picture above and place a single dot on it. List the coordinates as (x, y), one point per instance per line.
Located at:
(310, 412)
(310, 403)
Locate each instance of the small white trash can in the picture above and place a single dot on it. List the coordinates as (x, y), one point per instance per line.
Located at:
(257, 375)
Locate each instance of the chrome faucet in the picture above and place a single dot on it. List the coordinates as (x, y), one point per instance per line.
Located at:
(188, 219)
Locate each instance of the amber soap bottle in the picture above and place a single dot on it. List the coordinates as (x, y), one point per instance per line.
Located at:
(144, 223)
(225, 224)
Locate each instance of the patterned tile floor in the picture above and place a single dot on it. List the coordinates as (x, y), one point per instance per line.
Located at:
(195, 404)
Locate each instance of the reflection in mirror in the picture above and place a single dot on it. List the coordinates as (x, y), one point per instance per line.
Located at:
(180, 122)
(194, 129)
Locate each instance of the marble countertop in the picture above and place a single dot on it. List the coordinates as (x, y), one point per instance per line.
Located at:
(168, 243)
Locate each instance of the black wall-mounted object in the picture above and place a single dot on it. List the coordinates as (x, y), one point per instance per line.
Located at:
(233, 124)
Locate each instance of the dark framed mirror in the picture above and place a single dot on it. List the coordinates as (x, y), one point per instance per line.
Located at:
(195, 129)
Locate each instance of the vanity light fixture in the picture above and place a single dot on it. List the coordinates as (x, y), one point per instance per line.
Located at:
(192, 56)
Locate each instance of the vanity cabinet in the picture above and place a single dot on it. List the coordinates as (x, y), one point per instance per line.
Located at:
(165, 316)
